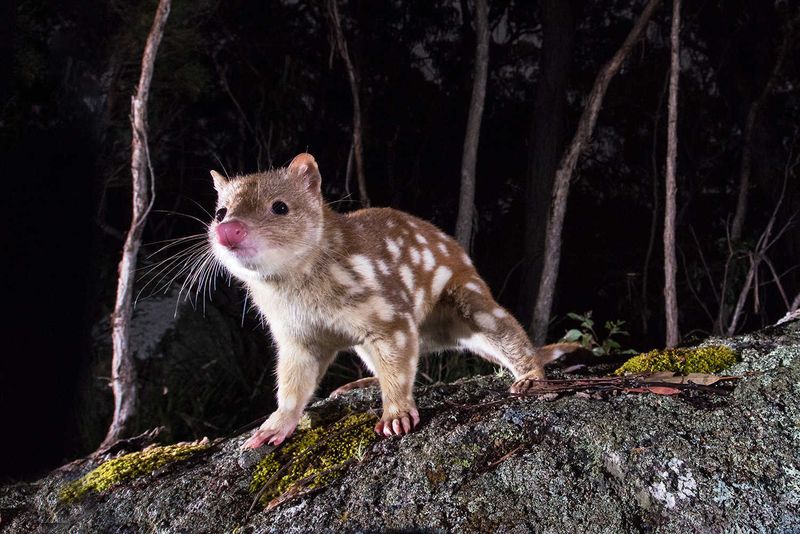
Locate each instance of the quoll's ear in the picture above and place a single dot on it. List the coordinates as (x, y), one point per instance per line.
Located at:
(219, 180)
(304, 166)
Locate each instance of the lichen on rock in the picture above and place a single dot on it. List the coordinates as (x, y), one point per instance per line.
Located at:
(708, 359)
(128, 467)
(314, 457)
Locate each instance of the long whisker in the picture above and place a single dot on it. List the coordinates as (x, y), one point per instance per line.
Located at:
(182, 267)
(147, 269)
(202, 208)
(167, 267)
(191, 278)
(170, 212)
(178, 241)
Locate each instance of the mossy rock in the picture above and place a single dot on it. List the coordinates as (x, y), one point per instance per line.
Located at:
(128, 467)
(710, 359)
(314, 457)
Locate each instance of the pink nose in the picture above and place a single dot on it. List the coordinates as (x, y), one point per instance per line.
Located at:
(231, 234)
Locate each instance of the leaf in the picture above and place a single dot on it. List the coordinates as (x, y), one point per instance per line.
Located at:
(598, 351)
(701, 379)
(573, 335)
(658, 390)
(575, 316)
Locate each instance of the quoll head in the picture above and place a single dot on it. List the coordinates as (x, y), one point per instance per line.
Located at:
(268, 224)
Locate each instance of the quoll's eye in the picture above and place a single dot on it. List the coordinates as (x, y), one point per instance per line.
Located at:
(220, 214)
(280, 208)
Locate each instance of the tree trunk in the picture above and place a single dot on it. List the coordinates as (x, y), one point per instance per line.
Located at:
(558, 206)
(670, 261)
(352, 77)
(123, 371)
(651, 240)
(546, 137)
(466, 201)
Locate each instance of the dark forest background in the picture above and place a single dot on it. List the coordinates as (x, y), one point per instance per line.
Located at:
(245, 86)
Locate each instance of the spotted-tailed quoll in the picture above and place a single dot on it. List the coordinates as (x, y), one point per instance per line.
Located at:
(378, 281)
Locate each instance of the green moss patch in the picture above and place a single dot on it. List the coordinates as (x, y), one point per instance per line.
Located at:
(128, 467)
(313, 458)
(711, 359)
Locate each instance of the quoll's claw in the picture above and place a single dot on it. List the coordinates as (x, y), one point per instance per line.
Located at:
(398, 426)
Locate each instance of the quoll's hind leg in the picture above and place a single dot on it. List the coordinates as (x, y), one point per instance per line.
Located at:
(395, 357)
(355, 384)
(489, 331)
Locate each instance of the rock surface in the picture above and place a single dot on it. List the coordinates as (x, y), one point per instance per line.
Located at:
(486, 462)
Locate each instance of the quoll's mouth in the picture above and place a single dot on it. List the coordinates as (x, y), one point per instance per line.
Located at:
(242, 252)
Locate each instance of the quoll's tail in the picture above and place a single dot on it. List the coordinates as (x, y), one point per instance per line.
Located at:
(550, 353)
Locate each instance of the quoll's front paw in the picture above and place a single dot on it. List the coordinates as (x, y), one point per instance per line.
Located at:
(274, 431)
(397, 422)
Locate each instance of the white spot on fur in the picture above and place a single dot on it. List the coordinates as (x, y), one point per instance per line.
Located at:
(393, 248)
(480, 345)
(421, 239)
(342, 275)
(407, 276)
(363, 266)
(412, 224)
(419, 302)
(415, 257)
(499, 313)
(390, 224)
(466, 258)
(485, 321)
(440, 277)
(382, 267)
(443, 248)
(400, 339)
(472, 286)
(378, 306)
(428, 261)
(401, 241)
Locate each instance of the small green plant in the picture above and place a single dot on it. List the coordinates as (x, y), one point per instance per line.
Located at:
(587, 336)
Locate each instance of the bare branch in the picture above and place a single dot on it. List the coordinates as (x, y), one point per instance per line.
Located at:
(123, 370)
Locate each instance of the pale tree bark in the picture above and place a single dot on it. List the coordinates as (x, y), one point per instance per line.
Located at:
(749, 130)
(352, 77)
(466, 200)
(670, 261)
(123, 369)
(546, 138)
(558, 205)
